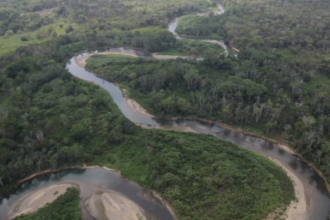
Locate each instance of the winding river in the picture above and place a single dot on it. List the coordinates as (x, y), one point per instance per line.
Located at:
(174, 24)
(316, 197)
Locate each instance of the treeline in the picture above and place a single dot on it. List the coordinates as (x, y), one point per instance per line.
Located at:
(254, 90)
(65, 207)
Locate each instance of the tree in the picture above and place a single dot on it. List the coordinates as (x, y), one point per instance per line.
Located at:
(270, 125)
(183, 105)
(168, 103)
(253, 89)
(300, 127)
(192, 78)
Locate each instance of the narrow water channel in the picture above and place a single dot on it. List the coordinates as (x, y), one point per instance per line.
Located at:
(174, 24)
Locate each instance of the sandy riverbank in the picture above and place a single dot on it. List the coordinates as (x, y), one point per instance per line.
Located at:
(168, 57)
(106, 205)
(220, 43)
(298, 210)
(38, 199)
(165, 203)
(102, 205)
(136, 107)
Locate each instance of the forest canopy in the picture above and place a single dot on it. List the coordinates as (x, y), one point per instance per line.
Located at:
(276, 85)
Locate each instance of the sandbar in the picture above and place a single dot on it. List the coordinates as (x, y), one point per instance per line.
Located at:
(37, 200)
(106, 205)
(166, 57)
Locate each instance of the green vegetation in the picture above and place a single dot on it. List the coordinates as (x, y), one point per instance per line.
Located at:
(194, 25)
(50, 119)
(242, 91)
(68, 121)
(197, 48)
(102, 22)
(284, 45)
(65, 207)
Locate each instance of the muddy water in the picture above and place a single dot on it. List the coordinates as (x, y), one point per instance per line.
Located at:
(91, 180)
(318, 201)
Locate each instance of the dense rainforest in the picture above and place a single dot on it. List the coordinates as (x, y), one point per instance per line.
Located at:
(49, 119)
(284, 46)
(52, 119)
(278, 84)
